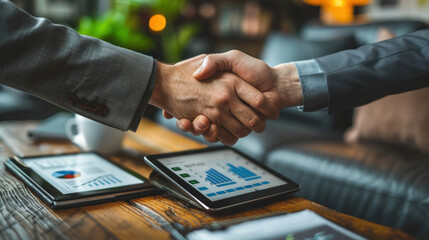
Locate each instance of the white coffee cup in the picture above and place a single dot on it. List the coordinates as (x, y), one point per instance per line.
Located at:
(90, 135)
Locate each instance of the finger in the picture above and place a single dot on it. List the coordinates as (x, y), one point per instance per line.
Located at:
(184, 125)
(226, 137)
(248, 117)
(257, 100)
(235, 127)
(211, 134)
(200, 125)
(217, 63)
(167, 115)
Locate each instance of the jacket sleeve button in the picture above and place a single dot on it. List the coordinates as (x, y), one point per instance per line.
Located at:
(72, 99)
(93, 106)
(83, 104)
(103, 110)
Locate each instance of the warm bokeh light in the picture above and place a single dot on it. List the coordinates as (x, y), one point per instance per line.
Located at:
(157, 23)
(339, 3)
(337, 11)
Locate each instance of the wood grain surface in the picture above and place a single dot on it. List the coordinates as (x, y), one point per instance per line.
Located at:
(24, 216)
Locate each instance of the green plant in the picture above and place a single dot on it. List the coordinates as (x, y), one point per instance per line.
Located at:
(123, 25)
(175, 42)
(118, 26)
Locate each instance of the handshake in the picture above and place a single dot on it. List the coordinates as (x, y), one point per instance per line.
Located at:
(225, 96)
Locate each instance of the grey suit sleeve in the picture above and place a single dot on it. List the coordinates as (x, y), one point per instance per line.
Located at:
(314, 88)
(85, 75)
(356, 77)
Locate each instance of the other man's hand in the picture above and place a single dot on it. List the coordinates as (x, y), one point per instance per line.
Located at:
(280, 84)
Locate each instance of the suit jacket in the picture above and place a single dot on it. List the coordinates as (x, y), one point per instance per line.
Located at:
(356, 77)
(85, 75)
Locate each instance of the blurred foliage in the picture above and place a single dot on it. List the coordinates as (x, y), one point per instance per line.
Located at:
(174, 42)
(119, 27)
(126, 25)
(423, 3)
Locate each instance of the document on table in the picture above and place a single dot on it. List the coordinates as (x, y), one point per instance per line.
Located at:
(301, 225)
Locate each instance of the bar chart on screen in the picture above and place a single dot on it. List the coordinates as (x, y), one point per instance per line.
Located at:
(224, 178)
(243, 172)
(221, 174)
(220, 180)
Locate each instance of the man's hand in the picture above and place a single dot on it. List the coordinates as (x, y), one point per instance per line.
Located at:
(280, 84)
(217, 98)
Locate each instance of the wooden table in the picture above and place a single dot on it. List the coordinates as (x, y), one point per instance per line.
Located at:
(24, 216)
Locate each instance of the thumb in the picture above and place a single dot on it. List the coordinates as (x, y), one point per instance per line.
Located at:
(220, 62)
(214, 63)
(207, 69)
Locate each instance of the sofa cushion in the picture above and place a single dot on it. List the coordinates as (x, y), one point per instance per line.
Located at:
(376, 182)
(398, 119)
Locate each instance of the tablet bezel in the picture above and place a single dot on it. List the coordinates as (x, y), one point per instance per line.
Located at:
(205, 202)
(55, 195)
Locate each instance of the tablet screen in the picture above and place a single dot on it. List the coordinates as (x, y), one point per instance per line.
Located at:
(221, 174)
(78, 173)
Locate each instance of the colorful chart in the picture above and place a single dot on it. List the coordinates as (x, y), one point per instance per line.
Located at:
(221, 174)
(66, 174)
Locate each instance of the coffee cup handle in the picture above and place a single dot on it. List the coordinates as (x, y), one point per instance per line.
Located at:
(70, 125)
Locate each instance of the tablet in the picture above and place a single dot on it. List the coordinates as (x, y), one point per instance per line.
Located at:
(78, 179)
(218, 178)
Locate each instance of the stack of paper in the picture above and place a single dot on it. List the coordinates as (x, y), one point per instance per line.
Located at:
(301, 225)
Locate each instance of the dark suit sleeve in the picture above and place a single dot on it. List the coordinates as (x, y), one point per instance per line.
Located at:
(356, 77)
(85, 75)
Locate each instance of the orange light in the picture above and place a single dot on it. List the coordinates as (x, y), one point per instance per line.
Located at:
(337, 11)
(339, 3)
(157, 23)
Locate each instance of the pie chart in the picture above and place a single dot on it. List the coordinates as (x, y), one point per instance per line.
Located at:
(66, 174)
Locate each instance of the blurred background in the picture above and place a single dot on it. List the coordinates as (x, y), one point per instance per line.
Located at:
(306, 147)
(200, 26)
(172, 30)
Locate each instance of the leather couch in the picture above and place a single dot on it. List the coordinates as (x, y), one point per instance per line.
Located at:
(385, 184)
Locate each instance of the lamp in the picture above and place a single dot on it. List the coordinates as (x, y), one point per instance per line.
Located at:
(337, 11)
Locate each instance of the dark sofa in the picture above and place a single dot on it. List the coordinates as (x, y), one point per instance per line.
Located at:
(373, 181)
(17, 105)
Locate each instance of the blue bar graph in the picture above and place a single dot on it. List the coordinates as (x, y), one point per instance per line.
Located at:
(252, 178)
(243, 172)
(217, 178)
